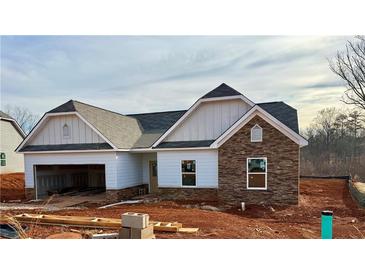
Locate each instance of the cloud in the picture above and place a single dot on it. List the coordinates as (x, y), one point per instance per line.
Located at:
(132, 74)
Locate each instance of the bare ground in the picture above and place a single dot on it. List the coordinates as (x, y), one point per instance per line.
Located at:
(11, 186)
(301, 221)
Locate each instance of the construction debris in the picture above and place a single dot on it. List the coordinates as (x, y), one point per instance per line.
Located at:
(105, 236)
(95, 222)
(65, 235)
(136, 226)
(122, 203)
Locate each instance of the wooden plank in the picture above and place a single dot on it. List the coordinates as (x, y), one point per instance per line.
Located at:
(94, 222)
(188, 230)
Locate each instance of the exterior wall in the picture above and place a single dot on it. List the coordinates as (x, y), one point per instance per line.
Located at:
(129, 170)
(189, 194)
(209, 120)
(10, 138)
(146, 158)
(169, 168)
(51, 132)
(104, 158)
(127, 193)
(122, 169)
(282, 167)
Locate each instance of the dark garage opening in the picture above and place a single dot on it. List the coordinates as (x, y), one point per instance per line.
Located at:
(60, 179)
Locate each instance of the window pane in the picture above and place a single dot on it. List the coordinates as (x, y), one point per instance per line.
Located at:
(188, 180)
(256, 165)
(2, 155)
(188, 166)
(256, 180)
(3, 162)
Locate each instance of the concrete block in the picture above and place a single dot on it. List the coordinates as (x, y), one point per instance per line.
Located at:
(125, 233)
(144, 233)
(135, 220)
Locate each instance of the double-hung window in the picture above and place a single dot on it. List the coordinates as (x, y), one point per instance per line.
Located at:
(257, 173)
(188, 173)
(2, 159)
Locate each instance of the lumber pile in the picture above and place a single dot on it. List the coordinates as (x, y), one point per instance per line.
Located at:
(96, 222)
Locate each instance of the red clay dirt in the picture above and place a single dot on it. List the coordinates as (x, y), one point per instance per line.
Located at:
(12, 186)
(301, 221)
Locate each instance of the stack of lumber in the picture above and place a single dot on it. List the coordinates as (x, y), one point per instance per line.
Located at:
(96, 222)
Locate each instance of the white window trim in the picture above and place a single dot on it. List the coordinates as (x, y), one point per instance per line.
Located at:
(247, 174)
(256, 141)
(181, 174)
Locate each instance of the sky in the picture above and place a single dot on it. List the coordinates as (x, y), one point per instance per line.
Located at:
(135, 74)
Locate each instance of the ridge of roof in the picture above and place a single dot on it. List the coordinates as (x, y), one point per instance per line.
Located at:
(157, 112)
(222, 90)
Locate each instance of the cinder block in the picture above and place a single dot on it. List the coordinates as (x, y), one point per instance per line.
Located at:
(125, 233)
(144, 233)
(135, 220)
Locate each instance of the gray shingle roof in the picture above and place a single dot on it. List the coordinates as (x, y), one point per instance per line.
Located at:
(182, 144)
(121, 130)
(142, 130)
(93, 146)
(283, 112)
(154, 125)
(158, 121)
(222, 90)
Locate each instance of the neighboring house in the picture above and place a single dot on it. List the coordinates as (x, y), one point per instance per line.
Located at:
(224, 147)
(11, 135)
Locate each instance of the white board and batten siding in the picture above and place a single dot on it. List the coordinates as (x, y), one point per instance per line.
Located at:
(209, 120)
(122, 169)
(169, 168)
(51, 132)
(129, 170)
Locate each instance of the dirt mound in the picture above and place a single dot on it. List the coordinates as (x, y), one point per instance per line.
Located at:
(12, 187)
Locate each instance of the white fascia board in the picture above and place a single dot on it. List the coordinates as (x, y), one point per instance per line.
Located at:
(257, 110)
(138, 150)
(45, 117)
(15, 123)
(68, 151)
(194, 106)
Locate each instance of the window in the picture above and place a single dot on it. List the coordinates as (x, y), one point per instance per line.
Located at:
(256, 133)
(2, 159)
(188, 173)
(257, 173)
(66, 131)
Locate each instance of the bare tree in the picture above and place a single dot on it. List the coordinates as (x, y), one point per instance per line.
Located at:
(25, 118)
(350, 67)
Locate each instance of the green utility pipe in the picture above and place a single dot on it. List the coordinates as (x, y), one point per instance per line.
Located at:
(327, 217)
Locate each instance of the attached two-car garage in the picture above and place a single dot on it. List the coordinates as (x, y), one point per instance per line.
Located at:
(51, 179)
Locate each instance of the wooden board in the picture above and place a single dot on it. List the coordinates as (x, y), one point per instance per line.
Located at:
(94, 222)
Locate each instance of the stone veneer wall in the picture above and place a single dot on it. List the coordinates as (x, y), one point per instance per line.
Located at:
(189, 194)
(29, 193)
(282, 167)
(116, 195)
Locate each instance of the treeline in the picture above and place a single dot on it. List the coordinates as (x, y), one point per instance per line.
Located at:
(336, 144)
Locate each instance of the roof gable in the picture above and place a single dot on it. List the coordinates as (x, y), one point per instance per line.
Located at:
(121, 130)
(222, 90)
(6, 117)
(283, 112)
